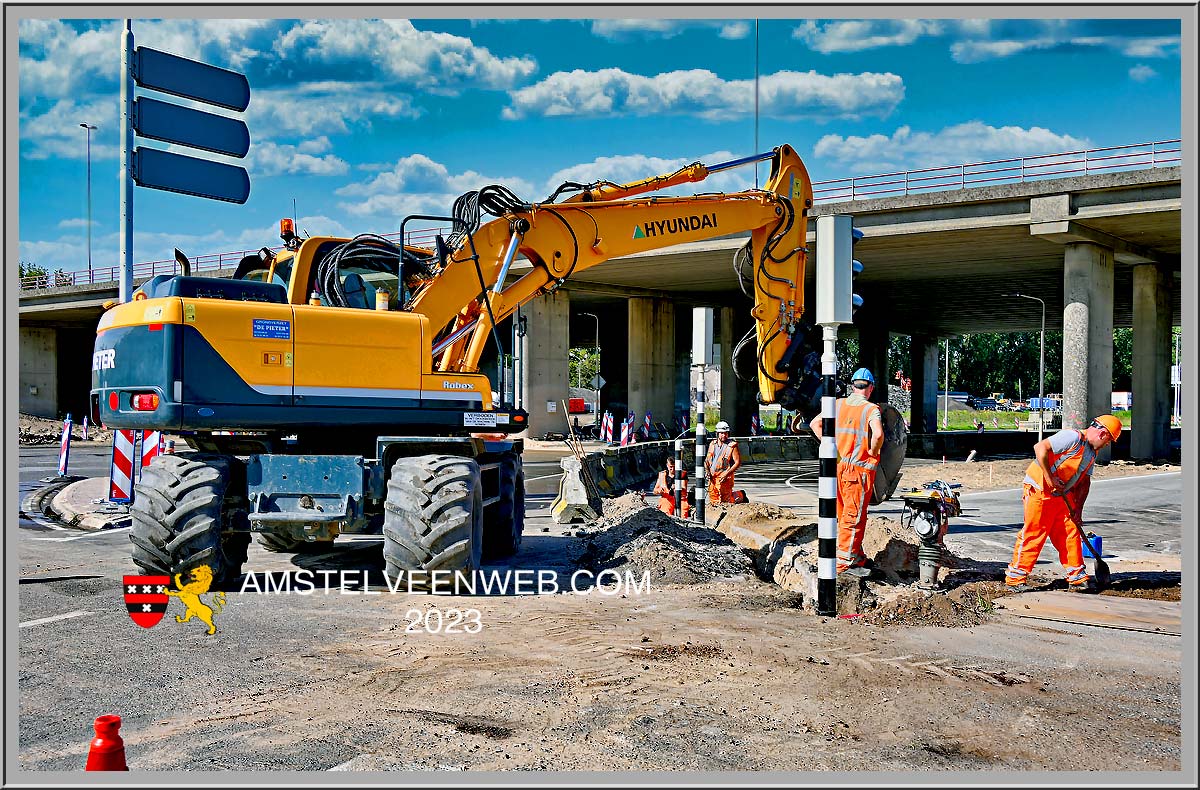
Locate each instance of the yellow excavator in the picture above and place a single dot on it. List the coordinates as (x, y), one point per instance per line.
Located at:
(333, 387)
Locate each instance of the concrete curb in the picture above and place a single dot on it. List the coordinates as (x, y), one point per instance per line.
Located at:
(74, 506)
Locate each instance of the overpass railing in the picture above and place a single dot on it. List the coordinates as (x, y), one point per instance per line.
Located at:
(1001, 171)
(1138, 156)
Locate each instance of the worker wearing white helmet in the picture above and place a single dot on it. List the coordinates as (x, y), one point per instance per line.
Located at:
(859, 444)
(724, 458)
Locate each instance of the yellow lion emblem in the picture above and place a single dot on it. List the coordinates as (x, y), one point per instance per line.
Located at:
(202, 577)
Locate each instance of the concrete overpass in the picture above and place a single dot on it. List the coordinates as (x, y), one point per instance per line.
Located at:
(1102, 250)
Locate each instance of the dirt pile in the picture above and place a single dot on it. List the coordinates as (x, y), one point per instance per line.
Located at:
(963, 607)
(636, 538)
(33, 430)
(1008, 473)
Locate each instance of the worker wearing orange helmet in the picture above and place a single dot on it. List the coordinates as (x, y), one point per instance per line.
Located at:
(859, 429)
(1056, 485)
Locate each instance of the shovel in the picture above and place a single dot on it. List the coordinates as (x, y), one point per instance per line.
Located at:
(1103, 576)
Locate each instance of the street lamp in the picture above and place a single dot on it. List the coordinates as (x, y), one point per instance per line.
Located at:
(89, 129)
(1041, 366)
(596, 410)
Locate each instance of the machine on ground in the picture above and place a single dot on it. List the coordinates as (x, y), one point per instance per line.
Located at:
(334, 386)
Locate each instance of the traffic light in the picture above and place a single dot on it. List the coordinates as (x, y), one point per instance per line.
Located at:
(836, 269)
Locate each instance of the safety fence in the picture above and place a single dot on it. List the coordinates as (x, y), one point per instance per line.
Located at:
(1137, 156)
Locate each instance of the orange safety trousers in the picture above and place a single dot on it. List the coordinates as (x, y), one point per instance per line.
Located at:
(854, 487)
(666, 503)
(1046, 517)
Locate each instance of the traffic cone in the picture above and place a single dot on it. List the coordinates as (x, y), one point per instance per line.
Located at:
(107, 752)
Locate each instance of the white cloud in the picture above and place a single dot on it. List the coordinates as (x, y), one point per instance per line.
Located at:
(855, 35)
(394, 50)
(975, 51)
(973, 141)
(271, 159)
(55, 132)
(701, 93)
(1141, 72)
(323, 108)
(626, 29)
(417, 184)
(623, 169)
(77, 222)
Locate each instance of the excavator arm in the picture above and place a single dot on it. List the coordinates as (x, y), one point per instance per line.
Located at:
(468, 295)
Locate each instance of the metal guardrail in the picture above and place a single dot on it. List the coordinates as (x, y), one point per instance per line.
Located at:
(1136, 156)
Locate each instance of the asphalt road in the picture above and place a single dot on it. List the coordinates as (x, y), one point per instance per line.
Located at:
(82, 656)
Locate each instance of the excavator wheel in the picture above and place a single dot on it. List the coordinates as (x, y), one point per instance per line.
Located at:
(191, 510)
(433, 516)
(506, 521)
(288, 545)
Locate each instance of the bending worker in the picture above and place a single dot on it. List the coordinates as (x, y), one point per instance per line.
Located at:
(665, 488)
(1056, 485)
(724, 458)
(859, 441)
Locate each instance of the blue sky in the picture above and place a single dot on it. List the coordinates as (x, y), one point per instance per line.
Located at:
(365, 121)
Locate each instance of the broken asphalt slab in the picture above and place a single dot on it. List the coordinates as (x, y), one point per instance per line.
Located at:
(84, 504)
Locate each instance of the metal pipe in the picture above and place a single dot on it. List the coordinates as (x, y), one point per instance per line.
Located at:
(510, 252)
(679, 492)
(125, 293)
(745, 160)
(701, 449)
(454, 336)
(827, 517)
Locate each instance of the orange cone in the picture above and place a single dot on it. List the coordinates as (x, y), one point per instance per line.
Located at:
(107, 752)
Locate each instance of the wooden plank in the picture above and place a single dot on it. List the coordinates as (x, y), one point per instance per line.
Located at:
(1105, 611)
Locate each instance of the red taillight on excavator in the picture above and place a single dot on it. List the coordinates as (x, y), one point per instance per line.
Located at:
(114, 401)
(145, 401)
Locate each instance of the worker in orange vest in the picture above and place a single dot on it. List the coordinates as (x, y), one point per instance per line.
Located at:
(724, 458)
(859, 429)
(665, 488)
(1056, 485)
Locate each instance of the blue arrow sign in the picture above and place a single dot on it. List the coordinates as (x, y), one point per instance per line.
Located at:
(190, 176)
(191, 79)
(171, 123)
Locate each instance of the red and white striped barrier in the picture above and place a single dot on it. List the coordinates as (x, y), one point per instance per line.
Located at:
(85, 428)
(152, 445)
(755, 425)
(120, 476)
(64, 447)
(648, 425)
(606, 428)
(627, 430)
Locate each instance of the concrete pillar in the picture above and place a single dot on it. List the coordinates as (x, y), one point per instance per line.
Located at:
(873, 342)
(729, 382)
(1152, 396)
(1087, 335)
(38, 377)
(545, 367)
(924, 375)
(651, 367)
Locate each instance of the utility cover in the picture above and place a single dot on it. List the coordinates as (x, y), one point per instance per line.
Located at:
(191, 79)
(190, 176)
(171, 123)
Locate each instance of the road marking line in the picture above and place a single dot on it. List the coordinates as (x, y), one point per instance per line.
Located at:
(543, 477)
(54, 619)
(86, 535)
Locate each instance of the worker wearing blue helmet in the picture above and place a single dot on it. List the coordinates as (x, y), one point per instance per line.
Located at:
(859, 443)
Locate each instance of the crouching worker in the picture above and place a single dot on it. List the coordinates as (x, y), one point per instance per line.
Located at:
(1056, 485)
(724, 458)
(665, 488)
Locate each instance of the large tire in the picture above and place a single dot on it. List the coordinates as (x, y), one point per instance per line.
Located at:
(506, 521)
(287, 545)
(433, 516)
(191, 510)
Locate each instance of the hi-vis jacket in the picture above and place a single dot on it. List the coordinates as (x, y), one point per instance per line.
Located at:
(1071, 457)
(853, 418)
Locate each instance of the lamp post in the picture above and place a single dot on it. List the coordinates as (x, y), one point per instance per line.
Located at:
(1041, 366)
(596, 410)
(89, 129)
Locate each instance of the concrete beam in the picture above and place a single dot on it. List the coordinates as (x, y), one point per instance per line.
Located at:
(544, 368)
(1152, 396)
(923, 415)
(1087, 335)
(651, 368)
(1068, 232)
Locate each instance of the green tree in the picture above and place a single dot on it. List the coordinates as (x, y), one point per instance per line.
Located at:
(584, 366)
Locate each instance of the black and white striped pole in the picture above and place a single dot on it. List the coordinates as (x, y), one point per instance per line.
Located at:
(678, 484)
(702, 340)
(835, 306)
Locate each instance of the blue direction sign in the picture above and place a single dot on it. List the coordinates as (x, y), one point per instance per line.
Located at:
(174, 124)
(191, 79)
(190, 176)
